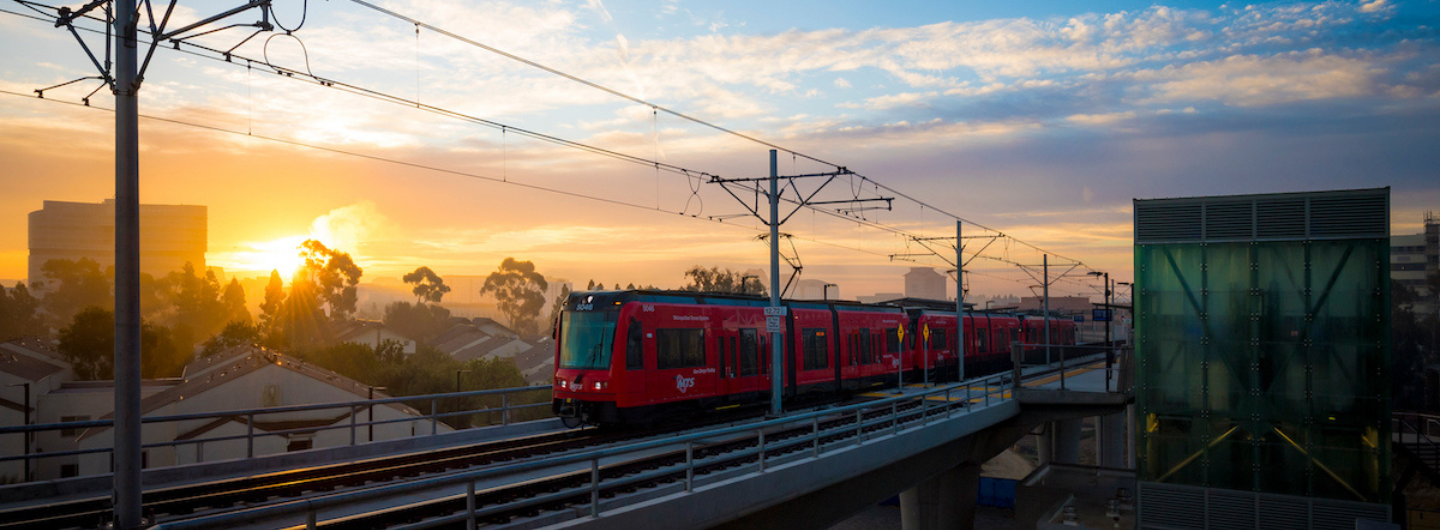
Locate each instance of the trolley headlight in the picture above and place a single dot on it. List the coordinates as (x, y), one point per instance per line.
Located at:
(600, 385)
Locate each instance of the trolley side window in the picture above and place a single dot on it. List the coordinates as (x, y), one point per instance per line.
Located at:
(853, 355)
(865, 342)
(816, 354)
(749, 352)
(679, 348)
(764, 356)
(892, 340)
(634, 346)
(937, 339)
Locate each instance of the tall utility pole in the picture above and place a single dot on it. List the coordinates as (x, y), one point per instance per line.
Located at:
(777, 339)
(959, 303)
(775, 315)
(1046, 265)
(124, 76)
(1109, 313)
(127, 454)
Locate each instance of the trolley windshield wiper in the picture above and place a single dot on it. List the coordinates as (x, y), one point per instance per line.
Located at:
(594, 352)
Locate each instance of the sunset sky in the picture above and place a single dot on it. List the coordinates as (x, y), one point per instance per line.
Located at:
(1040, 119)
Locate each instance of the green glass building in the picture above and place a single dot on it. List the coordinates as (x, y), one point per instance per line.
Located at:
(1262, 327)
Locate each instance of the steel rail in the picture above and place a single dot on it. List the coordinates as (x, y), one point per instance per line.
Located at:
(316, 503)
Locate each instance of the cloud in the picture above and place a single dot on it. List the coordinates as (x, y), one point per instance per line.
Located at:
(1250, 80)
(1100, 119)
(348, 228)
(1376, 6)
(599, 8)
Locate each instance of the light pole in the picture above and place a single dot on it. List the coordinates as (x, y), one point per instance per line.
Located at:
(26, 477)
(1109, 313)
(743, 288)
(370, 412)
(1109, 317)
(457, 378)
(826, 290)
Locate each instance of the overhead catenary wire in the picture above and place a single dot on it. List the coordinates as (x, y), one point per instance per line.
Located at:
(692, 174)
(693, 119)
(427, 167)
(309, 76)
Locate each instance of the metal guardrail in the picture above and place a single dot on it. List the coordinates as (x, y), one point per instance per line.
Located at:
(353, 407)
(986, 392)
(1060, 358)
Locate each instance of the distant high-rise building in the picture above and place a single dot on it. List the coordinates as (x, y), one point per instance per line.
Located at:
(1413, 258)
(879, 297)
(170, 236)
(924, 282)
(1408, 265)
(814, 290)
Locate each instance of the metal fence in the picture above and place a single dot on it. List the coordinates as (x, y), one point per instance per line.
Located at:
(978, 393)
(1061, 360)
(508, 403)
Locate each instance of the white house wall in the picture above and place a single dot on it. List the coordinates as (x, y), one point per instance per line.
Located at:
(248, 392)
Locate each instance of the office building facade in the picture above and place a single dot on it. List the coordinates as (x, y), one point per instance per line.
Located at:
(170, 236)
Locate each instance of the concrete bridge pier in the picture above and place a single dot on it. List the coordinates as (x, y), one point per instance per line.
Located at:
(942, 502)
(1045, 444)
(1066, 443)
(1110, 440)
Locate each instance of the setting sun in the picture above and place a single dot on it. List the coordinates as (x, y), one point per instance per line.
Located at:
(281, 255)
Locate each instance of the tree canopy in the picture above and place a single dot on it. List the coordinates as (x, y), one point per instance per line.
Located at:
(71, 286)
(421, 322)
(236, 333)
(330, 276)
(557, 305)
(520, 294)
(717, 280)
(20, 314)
(429, 287)
(89, 344)
(234, 301)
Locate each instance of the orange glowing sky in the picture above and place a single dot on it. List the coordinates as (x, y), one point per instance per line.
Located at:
(1042, 124)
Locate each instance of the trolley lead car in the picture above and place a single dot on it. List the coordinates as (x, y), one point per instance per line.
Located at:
(636, 356)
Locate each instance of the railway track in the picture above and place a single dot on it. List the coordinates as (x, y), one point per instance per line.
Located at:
(178, 502)
(571, 489)
(168, 503)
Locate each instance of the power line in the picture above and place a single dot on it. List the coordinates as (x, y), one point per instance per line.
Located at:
(584, 81)
(427, 167)
(309, 76)
(681, 115)
(697, 175)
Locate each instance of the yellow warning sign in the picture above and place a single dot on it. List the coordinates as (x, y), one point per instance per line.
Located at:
(900, 333)
(925, 331)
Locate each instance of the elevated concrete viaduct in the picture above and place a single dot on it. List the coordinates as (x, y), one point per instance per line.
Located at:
(936, 473)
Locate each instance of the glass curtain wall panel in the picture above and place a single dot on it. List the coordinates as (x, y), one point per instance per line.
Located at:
(1262, 364)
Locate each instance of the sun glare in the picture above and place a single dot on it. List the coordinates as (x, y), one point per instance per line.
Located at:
(281, 255)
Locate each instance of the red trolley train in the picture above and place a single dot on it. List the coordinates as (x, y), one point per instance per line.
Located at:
(634, 356)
